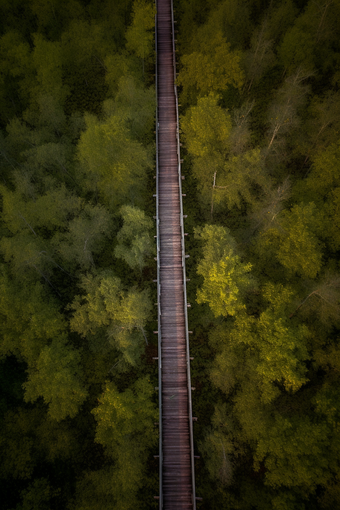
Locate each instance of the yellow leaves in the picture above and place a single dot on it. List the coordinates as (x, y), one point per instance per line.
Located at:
(224, 274)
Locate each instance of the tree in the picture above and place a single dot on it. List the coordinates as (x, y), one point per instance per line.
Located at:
(322, 125)
(282, 114)
(16, 65)
(212, 69)
(127, 416)
(260, 57)
(218, 449)
(17, 443)
(85, 236)
(294, 239)
(56, 377)
(111, 161)
(239, 138)
(125, 427)
(309, 41)
(139, 35)
(322, 300)
(30, 318)
(239, 179)
(47, 61)
(226, 278)
(137, 105)
(267, 350)
(26, 210)
(37, 495)
(266, 211)
(294, 453)
(134, 239)
(206, 130)
(323, 186)
(121, 314)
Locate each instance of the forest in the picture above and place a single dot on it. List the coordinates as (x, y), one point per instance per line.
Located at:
(259, 89)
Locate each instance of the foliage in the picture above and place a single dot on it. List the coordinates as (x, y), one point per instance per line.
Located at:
(259, 104)
(121, 314)
(225, 276)
(57, 378)
(111, 161)
(139, 36)
(134, 239)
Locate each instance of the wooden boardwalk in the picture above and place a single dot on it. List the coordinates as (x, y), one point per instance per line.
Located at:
(177, 488)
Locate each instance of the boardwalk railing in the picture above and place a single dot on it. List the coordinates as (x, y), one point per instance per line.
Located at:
(161, 492)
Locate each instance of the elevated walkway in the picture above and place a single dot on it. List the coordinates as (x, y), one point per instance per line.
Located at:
(176, 452)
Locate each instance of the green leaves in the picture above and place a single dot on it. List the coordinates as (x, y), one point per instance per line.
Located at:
(206, 127)
(292, 452)
(125, 427)
(225, 276)
(111, 161)
(126, 417)
(85, 236)
(121, 314)
(139, 35)
(212, 68)
(29, 319)
(57, 378)
(134, 239)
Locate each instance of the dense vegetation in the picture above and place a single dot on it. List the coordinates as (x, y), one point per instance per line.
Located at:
(260, 119)
(260, 123)
(78, 405)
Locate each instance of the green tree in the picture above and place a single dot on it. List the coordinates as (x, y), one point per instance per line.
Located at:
(127, 416)
(85, 236)
(137, 105)
(121, 314)
(225, 277)
(218, 449)
(295, 240)
(309, 41)
(206, 130)
(276, 353)
(111, 161)
(56, 377)
(323, 125)
(125, 427)
(292, 451)
(17, 443)
(134, 239)
(47, 61)
(266, 212)
(37, 495)
(29, 319)
(239, 179)
(139, 35)
(322, 300)
(26, 210)
(212, 68)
